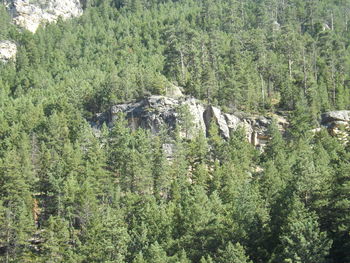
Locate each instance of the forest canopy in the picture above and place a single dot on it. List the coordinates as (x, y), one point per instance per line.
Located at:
(68, 194)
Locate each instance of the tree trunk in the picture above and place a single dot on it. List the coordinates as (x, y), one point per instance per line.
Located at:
(182, 67)
(304, 71)
(262, 89)
(290, 62)
(333, 83)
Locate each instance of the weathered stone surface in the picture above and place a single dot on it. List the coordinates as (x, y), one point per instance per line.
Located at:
(233, 122)
(214, 114)
(328, 118)
(196, 111)
(30, 14)
(337, 124)
(276, 26)
(174, 91)
(8, 51)
(281, 121)
(160, 113)
(169, 150)
(157, 113)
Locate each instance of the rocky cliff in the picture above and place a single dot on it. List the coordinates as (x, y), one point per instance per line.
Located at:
(8, 51)
(190, 117)
(30, 14)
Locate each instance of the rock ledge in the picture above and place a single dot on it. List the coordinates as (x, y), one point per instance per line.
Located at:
(189, 116)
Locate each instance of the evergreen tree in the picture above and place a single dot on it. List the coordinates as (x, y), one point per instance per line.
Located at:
(302, 241)
(233, 253)
(338, 216)
(58, 244)
(71, 191)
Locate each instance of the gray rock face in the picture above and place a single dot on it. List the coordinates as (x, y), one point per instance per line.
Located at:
(169, 150)
(213, 114)
(341, 116)
(8, 51)
(189, 116)
(174, 91)
(338, 124)
(30, 14)
(196, 123)
(157, 113)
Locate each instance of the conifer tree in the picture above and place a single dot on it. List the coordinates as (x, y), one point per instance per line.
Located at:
(233, 253)
(338, 216)
(160, 170)
(302, 240)
(58, 244)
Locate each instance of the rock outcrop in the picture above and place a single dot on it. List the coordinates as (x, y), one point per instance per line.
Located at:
(190, 117)
(333, 118)
(338, 124)
(30, 14)
(174, 91)
(8, 51)
(157, 113)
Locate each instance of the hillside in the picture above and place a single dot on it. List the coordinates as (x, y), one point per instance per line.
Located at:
(174, 131)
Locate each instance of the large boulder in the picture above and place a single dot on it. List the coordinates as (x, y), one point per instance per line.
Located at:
(8, 51)
(30, 14)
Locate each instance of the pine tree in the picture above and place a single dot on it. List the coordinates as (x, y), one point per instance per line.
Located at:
(156, 254)
(338, 217)
(17, 178)
(139, 258)
(58, 244)
(233, 253)
(276, 145)
(206, 260)
(104, 238)
(301, 121)
(160, 170)
(302, 240)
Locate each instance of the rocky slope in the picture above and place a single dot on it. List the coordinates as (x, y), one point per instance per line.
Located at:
(8, 51)
(30, 14)
(190, 116)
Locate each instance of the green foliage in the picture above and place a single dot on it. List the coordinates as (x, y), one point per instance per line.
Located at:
(233, 253)
(69, 193)
(302, 241)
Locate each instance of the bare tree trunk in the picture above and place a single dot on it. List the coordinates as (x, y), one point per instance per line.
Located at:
(242, 12)
(332, 21)
(346, 19)
(262, 89)
(290, 62)
(333, 83)
(182, 66)
(304, 71)
(8, 238)
(314, 60)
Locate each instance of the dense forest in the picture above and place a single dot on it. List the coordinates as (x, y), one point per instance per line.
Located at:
(70, 195)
